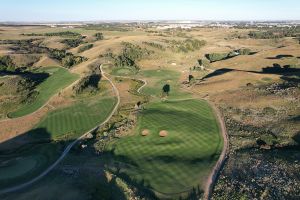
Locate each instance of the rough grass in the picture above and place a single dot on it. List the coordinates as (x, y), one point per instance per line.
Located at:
(172, 165)
(59, 79)
(78, 118)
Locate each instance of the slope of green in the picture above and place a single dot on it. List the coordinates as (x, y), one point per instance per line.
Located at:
(176, 163)
(58, 79)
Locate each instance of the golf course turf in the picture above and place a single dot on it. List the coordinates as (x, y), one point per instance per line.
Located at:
(156, 79)
(65, 123)
(76, 119)
(58, 79)
(179, 162)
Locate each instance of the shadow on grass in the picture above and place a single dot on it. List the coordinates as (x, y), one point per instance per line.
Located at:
(36, 78)
(35, 145)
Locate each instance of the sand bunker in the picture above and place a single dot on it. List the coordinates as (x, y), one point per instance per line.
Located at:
(163, 133)
(145, 132)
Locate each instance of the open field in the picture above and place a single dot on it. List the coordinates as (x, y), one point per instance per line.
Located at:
(257, 94)
(58, 79)
(175, 164)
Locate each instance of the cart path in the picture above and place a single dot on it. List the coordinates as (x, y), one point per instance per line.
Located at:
(69, 147)
(213, 176)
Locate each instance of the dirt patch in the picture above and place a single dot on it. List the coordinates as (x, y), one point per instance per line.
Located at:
(145, 132)
(163, 133)
(13, 127)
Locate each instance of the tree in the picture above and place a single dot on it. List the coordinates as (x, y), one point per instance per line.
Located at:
(7, 64)
(204, 62)
(244, 51)
(166, 89)
(191, 78)
(99, 36)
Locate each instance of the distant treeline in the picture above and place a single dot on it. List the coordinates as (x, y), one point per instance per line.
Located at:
(277, 32)
(107, 27)
(62, 34)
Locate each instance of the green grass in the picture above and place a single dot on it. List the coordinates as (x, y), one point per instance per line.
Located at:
(158, 78)
(22, 164)
(176, 163)
(78, 118)
(66, 123)
(58, 79)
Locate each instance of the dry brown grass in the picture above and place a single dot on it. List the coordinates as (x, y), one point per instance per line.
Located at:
(45, 61)
(228, 88)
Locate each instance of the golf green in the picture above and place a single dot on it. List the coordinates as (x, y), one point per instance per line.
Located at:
(179, 162)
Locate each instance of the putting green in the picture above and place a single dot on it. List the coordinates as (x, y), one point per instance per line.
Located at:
(156, 79)
(174, 164)
(58, 79)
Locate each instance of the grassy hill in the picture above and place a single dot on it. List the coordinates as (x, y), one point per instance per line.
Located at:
(59, 78)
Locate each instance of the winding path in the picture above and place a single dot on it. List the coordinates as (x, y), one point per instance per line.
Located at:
(69, 147)
(211, 181)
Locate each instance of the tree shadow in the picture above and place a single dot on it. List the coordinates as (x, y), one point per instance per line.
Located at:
(296, 137)
(32, 137)
(33, 146)
(218, 72)
(288, 73)
(280, 56)
(37, 78)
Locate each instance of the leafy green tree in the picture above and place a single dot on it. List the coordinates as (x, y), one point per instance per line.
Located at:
(99, 36)
(166, 89)
(213, 57)
(191, 78)
(7, 64)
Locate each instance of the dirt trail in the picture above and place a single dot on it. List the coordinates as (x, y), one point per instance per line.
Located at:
(221, 161)
(68, 148)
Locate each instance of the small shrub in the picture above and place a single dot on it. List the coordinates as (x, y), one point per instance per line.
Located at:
(85, 47)
(99, 36)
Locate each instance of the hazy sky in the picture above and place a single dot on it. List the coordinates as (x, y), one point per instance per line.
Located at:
(81, 10)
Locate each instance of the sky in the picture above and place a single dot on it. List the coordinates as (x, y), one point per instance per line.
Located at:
(99, 10)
